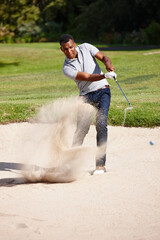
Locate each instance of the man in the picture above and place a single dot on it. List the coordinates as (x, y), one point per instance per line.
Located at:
(81, 66)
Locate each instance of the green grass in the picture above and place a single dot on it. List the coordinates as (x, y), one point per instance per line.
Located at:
(31, 75)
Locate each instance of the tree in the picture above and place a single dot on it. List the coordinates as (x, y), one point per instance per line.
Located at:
(106, 16)
(89, 19)
(13, 13)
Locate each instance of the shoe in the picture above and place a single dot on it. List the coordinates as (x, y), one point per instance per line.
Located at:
(99, 170)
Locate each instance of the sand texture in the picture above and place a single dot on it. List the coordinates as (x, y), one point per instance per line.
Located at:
(47, 192)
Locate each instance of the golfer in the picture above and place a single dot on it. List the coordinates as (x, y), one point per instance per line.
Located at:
(81, 66)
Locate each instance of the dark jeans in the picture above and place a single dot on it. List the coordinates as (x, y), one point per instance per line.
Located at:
(101, 100)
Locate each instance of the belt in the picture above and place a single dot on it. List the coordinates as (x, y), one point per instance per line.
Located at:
(106, 86)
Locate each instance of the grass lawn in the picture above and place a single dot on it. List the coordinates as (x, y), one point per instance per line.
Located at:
(31, 75)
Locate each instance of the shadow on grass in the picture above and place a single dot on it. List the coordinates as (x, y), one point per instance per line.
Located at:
(3, 64)
(138, 79)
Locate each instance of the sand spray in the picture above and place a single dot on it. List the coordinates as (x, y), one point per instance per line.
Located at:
(48, 150)
(125, 113)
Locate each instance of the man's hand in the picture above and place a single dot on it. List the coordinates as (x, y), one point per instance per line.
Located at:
(110, 75)
(109, 67)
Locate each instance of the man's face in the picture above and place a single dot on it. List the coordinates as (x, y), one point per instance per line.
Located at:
(69, 49)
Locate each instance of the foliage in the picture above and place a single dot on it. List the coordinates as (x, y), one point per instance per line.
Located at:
(14, 15)
(153, 32)
(112, 22)
(28, 32)
(119, 22)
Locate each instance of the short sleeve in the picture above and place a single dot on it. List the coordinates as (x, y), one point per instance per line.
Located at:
(92, 49)
(70, 72)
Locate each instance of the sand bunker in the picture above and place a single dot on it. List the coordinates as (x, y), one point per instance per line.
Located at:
(122, 204)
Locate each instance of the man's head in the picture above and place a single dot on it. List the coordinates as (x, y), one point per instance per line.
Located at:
(68, 46)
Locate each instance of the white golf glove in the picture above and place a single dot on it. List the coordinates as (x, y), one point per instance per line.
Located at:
(110, 75)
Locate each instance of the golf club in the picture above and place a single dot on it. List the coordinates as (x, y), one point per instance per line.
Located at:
(123, 93)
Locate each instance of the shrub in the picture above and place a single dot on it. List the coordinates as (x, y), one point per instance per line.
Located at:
(153, 33)
(6, 36)
(28, 31)
(52, 30)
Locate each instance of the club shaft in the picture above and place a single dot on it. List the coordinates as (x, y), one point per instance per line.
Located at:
(123, 93)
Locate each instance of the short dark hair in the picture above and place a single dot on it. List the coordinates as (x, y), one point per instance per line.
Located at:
(65, 38)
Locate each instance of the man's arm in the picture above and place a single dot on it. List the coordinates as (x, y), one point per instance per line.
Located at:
(83, 76)
(107, 62)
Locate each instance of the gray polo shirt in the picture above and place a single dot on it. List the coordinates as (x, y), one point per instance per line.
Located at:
(85, 62)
